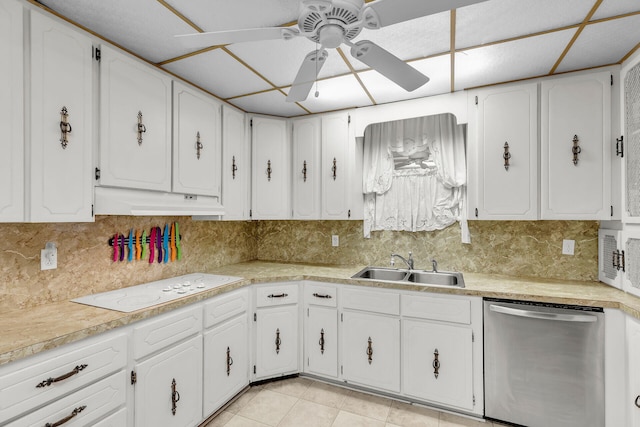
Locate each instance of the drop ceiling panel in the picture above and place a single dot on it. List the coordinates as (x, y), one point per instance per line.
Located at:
(219, 15)
(503, 19)
(514, 60)
(602, 43)
(219, 73)
(610, 8)
(336, 94)
(273, 103)
(384, 90)
(279, 60)
(145, 27)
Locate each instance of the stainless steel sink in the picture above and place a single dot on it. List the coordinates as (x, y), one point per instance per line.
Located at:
(417, 277)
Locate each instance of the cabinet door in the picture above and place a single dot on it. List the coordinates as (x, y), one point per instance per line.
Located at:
(507, 126)
(631, 260)
(168, 391)
(321, 341)
(196, 142)
(271, 169)
(633, 371)
(11, 113)
(135, 124)
(61, 177)
(371, 350)
(631, 164)
(336, 166)
(226, 363)
(306, 168)
(276, 341)
(437, 362)
(236, 163)
(576, 117)
(610, 257)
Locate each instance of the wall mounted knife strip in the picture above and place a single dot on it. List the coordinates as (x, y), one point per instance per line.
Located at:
(161, 244)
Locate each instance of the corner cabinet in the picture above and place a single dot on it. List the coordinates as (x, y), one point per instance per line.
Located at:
(11, 112)
(271, 169)
(196, 142)
(135, 124)
(575, 147)
(236, 165)
(503, 162)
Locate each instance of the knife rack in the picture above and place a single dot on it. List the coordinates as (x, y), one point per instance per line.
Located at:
(126, 239)
(162, 243)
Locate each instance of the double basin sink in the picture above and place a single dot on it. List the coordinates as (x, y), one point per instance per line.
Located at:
(411, 277)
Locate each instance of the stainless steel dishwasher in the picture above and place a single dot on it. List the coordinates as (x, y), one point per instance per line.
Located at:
(544, 364)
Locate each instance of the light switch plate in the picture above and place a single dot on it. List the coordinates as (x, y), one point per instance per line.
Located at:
(49, 257)
(335, 240)
(568, 247)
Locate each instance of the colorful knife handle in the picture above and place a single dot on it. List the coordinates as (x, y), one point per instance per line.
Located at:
(172, 241)
(138, 245)
(144, 244)
(115, 248)
(178, 244)
(152, 245)
(122, 247)
(159, 243)
(130, 246)
(165, 243)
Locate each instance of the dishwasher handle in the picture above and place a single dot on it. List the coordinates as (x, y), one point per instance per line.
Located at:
(580, 318)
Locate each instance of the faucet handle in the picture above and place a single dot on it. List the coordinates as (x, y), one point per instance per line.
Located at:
(392, 262)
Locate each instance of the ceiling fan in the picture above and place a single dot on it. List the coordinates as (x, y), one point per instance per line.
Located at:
(330, 23)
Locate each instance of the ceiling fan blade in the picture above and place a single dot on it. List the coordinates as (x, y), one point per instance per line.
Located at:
(381, 13)
(388, 65)
(213, 38)
(307, 75)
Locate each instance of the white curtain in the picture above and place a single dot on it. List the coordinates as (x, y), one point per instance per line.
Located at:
(414, 174)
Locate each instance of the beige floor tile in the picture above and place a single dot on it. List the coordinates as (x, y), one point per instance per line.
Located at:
(392, 425)
(268, 407)
(309, 414)
(348, 419)
(220, 420)
(407, 415)
(293, 387)
(242, 400)
(325, 394)
(367, 405)
(450, 420)
(240, 421)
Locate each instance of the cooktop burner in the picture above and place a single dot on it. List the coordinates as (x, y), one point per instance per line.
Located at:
(153, 293)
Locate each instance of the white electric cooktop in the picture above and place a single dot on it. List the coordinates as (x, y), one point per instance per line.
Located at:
(153, 293)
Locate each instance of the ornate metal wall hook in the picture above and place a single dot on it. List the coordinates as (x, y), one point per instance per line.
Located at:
(65, 127)
(576, 149)
(506, 156)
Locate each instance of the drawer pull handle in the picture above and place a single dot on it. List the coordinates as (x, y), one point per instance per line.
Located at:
(327, 296)
(370, 350)
(282, 295)
(278, 341)
(436, 363)
(69, 417)
(506, 156)
(175, 397)
(304, 171)
(269, 170)
(321, 342)
(637, 402)
(65, 127)
(334, 168)
(141, 128)
(234, 167)
(50, 381)
(199, 146)
(576, 149)
(229, 361)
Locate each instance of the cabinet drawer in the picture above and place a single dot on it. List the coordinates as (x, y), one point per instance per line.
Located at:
(446, 309)
(225, 307)
(371, 300)
(316, 293)
(24, 384)
(157, 333)
(277, 294)
(117, 419)
(90, 403)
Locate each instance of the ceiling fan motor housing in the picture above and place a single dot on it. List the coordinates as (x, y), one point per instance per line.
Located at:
(326, 20)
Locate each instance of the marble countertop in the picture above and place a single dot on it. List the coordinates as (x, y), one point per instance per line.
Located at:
(30, 331)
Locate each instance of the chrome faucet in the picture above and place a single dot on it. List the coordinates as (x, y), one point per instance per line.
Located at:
(408, 261)
(434, 265)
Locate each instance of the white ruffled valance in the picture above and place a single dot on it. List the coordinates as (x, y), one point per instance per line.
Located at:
(414, 174)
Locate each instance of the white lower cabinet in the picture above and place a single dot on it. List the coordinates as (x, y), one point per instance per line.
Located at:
(276, 342)
(633, 372)
(371, 350)
(168, 388)
(437, 361)
(321, 330)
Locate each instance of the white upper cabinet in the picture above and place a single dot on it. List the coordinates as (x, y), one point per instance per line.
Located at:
(196, 142)
(575, 141)
(503, 153)
(338, 155)
(306, 167)
(236, 170)
(631, 143)
(271, 166)
(135, 124)
(61, 105)
(11, 113)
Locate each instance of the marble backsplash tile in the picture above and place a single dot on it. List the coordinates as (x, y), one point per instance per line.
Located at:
(85, 266)
(516, 248)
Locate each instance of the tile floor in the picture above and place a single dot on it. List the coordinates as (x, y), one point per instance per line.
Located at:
(304, 402)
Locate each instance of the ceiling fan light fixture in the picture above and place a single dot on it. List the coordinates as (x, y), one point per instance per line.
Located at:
(331, 36)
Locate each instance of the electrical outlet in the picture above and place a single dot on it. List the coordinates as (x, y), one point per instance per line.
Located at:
(49, 257)
(568, 247)
(335, 240)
